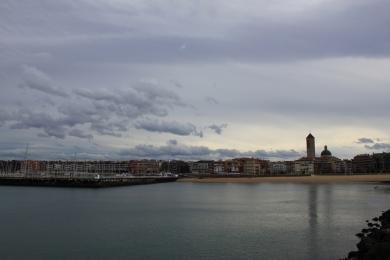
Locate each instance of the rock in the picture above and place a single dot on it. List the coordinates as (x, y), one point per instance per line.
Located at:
(374, 241)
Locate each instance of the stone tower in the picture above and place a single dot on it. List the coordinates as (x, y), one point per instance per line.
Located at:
(310, 146)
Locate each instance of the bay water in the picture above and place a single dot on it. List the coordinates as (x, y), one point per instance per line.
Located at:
(188, 220)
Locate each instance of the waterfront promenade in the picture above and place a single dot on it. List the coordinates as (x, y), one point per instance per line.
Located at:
(299, 179)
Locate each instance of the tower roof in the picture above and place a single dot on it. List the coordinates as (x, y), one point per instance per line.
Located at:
(310, 136)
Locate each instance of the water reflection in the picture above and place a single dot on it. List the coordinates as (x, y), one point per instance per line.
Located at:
(313, 221)
(319, 196)
(328, 205)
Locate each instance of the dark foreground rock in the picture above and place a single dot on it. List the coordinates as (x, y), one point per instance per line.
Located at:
(374, 241)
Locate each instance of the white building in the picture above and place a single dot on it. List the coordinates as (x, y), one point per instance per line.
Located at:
(277, 168)
(304, 166)
(219, 167)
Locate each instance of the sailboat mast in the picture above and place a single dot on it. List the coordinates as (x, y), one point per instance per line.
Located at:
(25, 160)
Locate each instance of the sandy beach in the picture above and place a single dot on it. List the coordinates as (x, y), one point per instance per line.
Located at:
(308, 179)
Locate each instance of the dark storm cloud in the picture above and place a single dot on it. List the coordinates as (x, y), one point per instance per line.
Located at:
(365, 140)
(37, 80)
(172, 127)
(179, 151)
(218, 128)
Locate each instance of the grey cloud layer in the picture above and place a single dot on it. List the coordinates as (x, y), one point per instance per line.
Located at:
(36, 79)
(37, 151)
(212, 100)
(378, 146)
(218, 128)
(332, 29)
(172, 127)
(103, 111)
(373, 144)
(141, 99)
(175, 150)
(171, 150)
(106, 112)
(365, 140)
(246, 62)
(79, 133)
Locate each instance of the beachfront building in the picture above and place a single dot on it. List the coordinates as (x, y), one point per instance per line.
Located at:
(277, 168)
(175, 167)
(375, 163)
(344, 166)
(290, 167)
(202, 167)
(363, 163)
(233, 166)
(144, 167)
(219, 167)
(251, 166)
(304, 166)
(382, 162)
(254, 166)
(327, 164)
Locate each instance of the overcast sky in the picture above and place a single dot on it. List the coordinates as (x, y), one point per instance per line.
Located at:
(196, 79)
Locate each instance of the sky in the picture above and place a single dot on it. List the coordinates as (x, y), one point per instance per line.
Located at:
(194, 79)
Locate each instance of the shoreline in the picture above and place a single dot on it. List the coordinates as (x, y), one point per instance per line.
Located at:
(383, 178)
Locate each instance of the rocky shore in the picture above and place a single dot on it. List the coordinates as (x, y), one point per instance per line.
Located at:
(374, 241)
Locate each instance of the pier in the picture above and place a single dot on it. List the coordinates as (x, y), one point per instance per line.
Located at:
(83, 181)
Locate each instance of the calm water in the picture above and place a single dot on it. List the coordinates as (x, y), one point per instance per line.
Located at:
(187, 221)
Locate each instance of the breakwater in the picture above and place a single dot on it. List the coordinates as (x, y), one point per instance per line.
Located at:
(97, 181)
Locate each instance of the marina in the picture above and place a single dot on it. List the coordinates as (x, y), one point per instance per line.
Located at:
(78, 174)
